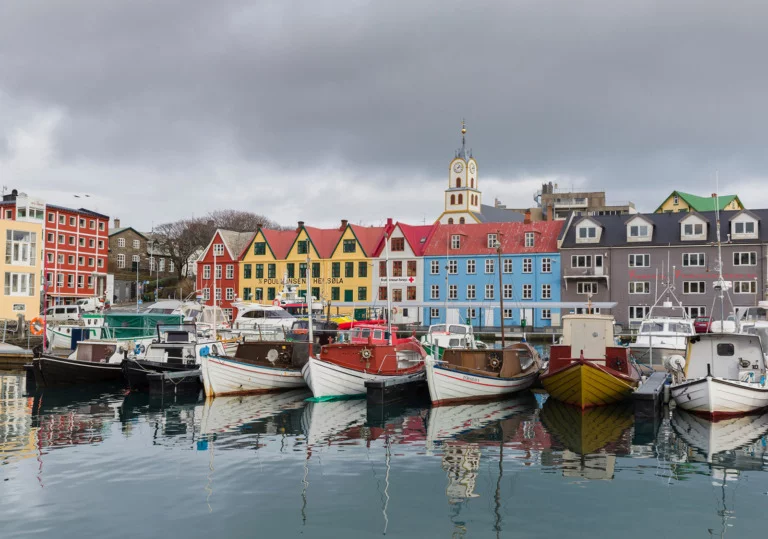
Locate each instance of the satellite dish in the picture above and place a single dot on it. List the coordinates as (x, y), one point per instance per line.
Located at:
(272, 356)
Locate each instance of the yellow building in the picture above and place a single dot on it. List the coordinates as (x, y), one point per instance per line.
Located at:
(340, 259)
(678, 201)
(22, 244)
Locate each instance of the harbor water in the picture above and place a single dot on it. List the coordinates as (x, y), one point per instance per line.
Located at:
(102, 462)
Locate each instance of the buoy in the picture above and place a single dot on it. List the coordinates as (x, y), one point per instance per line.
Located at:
(36, 326)
(276, 302)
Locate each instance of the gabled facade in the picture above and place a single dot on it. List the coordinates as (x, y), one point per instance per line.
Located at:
(678, 201)
(462, 267)
(262, 266)
(400, 264)
(217, 269)
(629, 267)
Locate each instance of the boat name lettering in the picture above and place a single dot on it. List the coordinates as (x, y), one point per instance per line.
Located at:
(469, 378)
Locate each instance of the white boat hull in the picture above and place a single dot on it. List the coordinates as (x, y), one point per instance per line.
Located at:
(446, 385)
(226, 376)
(718, 397)
(326, 379)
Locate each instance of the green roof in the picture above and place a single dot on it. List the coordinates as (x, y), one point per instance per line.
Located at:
(698, 203)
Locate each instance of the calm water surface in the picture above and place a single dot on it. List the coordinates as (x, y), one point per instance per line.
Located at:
(103, 463)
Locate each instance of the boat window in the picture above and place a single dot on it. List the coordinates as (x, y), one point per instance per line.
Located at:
(725, 349)
(459, 330)
(679, 327)
(526, 359)
(377, 335)
(756, 314)
(365, 333)
(437, 329)
(278, 314)
(651, 327)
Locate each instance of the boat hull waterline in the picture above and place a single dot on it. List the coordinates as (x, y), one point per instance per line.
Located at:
(718, 398)
(56, 371)
(586, 385)
(327, 379)
(227, 376)
(448, 386)
(136, 372)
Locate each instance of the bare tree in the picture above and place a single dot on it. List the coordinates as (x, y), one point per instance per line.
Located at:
(182, 239)
(240, 221)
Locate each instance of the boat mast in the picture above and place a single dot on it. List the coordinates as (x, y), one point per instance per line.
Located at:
(310, 334)
(501, 288)
(389, 299)
(214, 292)
(720, 280)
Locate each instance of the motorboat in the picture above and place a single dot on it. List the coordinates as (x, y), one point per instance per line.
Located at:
(262, 320)
(723, 374)
(262, 366)
(477, 374)
(175, 348)
(442, 336)
(587, 369)
(95, 361)
(659, 338)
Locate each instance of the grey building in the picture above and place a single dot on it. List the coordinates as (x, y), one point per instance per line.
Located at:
(628, 259)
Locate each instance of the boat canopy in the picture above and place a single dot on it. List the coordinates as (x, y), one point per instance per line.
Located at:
(134, 325)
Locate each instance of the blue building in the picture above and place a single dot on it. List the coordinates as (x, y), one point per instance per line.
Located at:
(461, 274)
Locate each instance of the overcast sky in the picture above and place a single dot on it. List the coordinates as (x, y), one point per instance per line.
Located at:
(318, 111)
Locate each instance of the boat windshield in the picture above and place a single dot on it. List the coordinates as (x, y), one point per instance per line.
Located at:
(277, 314)
(440, 328)
(757, 314)
(652, 327)
(458, 330)
(681, 327)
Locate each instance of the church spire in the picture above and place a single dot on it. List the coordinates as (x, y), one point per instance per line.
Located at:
(463, 151)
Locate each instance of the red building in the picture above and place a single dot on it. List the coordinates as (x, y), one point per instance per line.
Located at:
(75, 247)
(217, 269)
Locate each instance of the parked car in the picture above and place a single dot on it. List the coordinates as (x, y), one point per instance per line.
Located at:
(63, 313)
(90, 305)
(702, 324)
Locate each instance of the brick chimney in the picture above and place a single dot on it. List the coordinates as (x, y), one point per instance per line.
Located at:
(117, 222)
(344, 223)
(527, 219)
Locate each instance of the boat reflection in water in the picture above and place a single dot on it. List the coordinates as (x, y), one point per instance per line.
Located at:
(333, 422)
(590, 439)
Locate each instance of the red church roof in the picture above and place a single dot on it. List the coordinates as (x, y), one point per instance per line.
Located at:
(474, 238)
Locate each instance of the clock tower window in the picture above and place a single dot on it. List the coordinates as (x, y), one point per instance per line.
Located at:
(453, 199)
(458, 182)
(461, 221)
(461, 198)
(472, 183)
(450, 220)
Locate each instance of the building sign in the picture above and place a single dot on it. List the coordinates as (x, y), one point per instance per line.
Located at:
(19, 307)
(402, 280)
(316, 280)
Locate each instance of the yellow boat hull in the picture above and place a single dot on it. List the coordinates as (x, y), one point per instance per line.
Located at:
(585, 386)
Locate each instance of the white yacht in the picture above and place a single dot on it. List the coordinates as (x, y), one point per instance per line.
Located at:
(659, 338)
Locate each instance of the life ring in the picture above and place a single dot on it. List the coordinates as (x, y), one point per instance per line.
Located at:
(276, 302)
(365, 353)
(36, 326)
(394, 310)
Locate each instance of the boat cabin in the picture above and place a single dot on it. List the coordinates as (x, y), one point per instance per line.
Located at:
(666, 327)
(589, 337)
(507, 363)
(97, 351)
(452, 336)
(178, 344)
(737, 356)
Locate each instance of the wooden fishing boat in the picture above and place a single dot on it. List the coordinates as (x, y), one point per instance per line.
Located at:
(588, 369)
(467, 375)
(88, 364)
(260, 367)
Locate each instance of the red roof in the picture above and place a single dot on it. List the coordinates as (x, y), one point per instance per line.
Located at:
(415, 234)
(280, 241)
(474, 238)
(371, 238)
(324, 239)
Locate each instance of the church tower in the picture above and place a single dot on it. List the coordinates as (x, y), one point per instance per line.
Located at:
(462, 197)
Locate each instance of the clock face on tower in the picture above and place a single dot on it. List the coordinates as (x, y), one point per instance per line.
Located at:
(458, 167)
(472, 168)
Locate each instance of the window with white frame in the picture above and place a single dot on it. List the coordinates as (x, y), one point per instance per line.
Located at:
(529, 239)
(151, 263)
(206, 272)
(507, 314)
(745, 258)
(230, 294)
(218, 249)
(693, 229)
(91, 243)
(453, 267)
(101, 244)
(230, 271)
(694, 287)
(490, 265)
(453, 291)
(581, 261)
(60, 258)
(693, 259)
(455, 241)
(546, 265)
(72, 221)
(100, 263)
(434, 313)
(638, 231)
(434, 292)
(507, 265)
(489, 292)
(206, 294)
(218, 294)
(19, 284)
(491, 241)
(527, 265)
(121, 261)
(161, 265)
(71, 240)
(546, 314)
(434, 267)
(228, 314)
(136, 244)
(527, 291)
(507, 291)
(470, 267)
(49, 257)
(744, 227)
(50, 237)
(471, 293)
(21, 248)
(171, 266)
(92, 224)
(71, 259)
(70, 280)
(81, 261)
(638, 312)
(218, 271)
(745, 287)
(639, 260)
(90, 281)
(639, 287)
(546, 291)
(121, 242)
(80, 281)
(135, 259)
(471, 313)
(696, 311)
(62, 220)
(82, 242)
(587, 232)
(586, 288)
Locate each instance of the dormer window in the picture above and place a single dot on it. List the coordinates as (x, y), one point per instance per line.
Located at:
(529, 239)
(456, 241)
(638, 231)
(744, 228)
(693, 229)
(491, 241)
(587, 232)
(676, 200)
